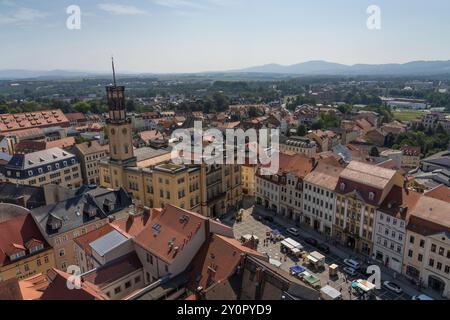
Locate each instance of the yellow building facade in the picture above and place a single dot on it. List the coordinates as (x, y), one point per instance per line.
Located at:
(211, 190)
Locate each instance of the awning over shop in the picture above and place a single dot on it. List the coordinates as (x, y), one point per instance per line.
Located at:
(312, 259)
(363, 285)
(297, 269)
(275, 262)
(290, 243)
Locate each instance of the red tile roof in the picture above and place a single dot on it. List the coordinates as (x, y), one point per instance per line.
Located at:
(441, 192)
(61, 143)
(58, 290)
(399, 202)
(32, 288)
(38, 119)
(15, 234)
(113, 271)
(149, 135)
(76, 116)
(297, 164)
(10, 290)
(168, 226)
(216, 260)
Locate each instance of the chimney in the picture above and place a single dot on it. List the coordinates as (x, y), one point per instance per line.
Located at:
(207, 229)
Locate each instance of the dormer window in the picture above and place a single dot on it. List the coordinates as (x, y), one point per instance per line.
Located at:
(40, 170)
(30, 173)
(37, 248)
(49, 168)
(17, 255)
(65, 163)
(371, 195)
(57, 165)
(342, 186)
(73, 161)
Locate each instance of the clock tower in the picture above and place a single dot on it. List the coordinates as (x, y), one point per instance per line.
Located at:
(119, 128)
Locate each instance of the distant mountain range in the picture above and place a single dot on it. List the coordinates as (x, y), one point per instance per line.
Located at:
(302, 69)
(15, 74)
(329, 68)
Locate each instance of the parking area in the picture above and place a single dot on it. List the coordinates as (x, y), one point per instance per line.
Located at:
(255, 224)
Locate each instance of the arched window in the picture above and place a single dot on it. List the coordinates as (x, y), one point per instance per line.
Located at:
(371, 195)
(342, 186)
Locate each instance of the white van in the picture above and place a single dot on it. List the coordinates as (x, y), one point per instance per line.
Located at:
(352, 263)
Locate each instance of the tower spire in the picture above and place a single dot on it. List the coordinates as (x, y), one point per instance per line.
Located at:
(114, 70)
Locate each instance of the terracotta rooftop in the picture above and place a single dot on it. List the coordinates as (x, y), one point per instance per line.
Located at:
(76, 116)
(114, 270)
(363, 124)
(58, 290)
(297, 164)
(61, 143)
(30, 133)
(430, 216)
(368, 174)
(216, 260)
(441, 192)
(32, 288)
(10, 290)
(400, 202)
(131, 227)
(89, 147)
(149, 135)
(38, 119)
(15, 236)
(324, 175)
(172, 224)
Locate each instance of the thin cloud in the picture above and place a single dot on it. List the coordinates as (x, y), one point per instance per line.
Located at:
(178, 4)
(22, 16)
(119, 9)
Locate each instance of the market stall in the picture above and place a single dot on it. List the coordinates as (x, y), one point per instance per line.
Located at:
(296, 270)
(364, 287)
(316, 259)
(333, 270)
(330, 293)
(310, 279)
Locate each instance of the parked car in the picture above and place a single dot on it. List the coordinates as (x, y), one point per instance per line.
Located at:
(423, 297)
(323, 247)
(311, 241)
(392, 286)
(352, 264)
(350, 271)
(268, 218)
(293, 231)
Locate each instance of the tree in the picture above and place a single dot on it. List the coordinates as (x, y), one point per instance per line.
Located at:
(301, 130)
(317, 125)
(374, 152)
(220, 101)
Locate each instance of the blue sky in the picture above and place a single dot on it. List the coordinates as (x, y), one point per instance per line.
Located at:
(204, 35)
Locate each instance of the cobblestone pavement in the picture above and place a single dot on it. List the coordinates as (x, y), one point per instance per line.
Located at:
(258, 227)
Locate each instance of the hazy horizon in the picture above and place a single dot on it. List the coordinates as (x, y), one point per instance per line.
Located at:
(187, 36)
